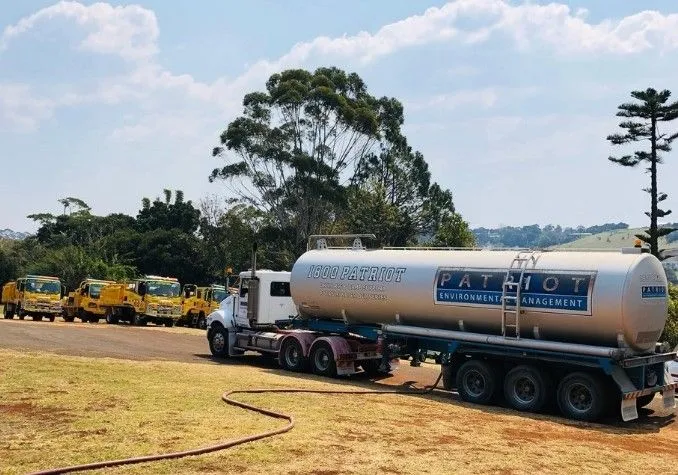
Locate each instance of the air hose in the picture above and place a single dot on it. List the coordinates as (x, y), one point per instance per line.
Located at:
(226, 397)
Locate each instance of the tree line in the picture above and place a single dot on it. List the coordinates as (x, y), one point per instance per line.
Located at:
(315, 153)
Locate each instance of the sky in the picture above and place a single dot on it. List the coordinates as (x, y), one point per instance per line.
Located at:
(510, 102)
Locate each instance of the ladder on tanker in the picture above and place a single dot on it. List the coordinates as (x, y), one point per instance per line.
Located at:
(510, 304)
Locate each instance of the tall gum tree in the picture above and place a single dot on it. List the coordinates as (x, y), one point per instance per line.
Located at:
(297, 143)
(643, 124)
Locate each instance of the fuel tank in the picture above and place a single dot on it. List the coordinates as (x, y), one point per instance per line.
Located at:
(606, 298)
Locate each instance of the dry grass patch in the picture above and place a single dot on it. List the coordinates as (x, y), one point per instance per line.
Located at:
(58, 411)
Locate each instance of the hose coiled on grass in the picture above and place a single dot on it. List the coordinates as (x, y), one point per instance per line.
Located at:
(226, 397)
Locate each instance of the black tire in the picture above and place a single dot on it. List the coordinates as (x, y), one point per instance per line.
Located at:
(291, 356)
(51, 318)
(581, 396)
(68, 319)
(37, 318)
(138, 320)
(202, 322)
(219, 342)
(371, 367)
(477, 382)
(642, 401)
(94, 319)
(322, 360)
(111, 319)
(83, 316)
(448, 377)
(169, 323)
(527, 388)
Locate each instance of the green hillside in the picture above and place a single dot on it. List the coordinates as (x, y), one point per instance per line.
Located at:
(611, 239)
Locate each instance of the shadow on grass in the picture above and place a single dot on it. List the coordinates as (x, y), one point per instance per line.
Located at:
(649, 421)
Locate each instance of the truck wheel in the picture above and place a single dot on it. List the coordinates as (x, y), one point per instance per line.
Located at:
(371, 367)
(68, 319)
(448, 377)
(291, 356)
(526, 388)
(169, 323)
(476, 382)
(110, 318)
(322, 360)
(138, 320)
(580, 396)
(51, 318)
(8, 315)
(219, 342)
(37, 318)
(202, 323)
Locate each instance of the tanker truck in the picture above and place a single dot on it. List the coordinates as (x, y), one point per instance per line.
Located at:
(575, 329)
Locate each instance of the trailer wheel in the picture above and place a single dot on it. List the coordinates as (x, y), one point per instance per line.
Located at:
(476, 382)
(322, 360)
(291, 356)
(448, 377)
(527, 388)
(580, 396)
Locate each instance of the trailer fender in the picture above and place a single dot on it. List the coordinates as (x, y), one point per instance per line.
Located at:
(343, 353)
(304, 339)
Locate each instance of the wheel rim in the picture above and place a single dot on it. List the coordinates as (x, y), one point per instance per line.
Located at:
(292, 355)
(218, 342)
(525, 390)
(321, 359)
(579, 397)
(474, 383)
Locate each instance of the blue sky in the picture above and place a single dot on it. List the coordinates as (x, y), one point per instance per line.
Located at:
(509, 101)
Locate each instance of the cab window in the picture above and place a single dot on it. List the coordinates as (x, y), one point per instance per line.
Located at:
(280, 289)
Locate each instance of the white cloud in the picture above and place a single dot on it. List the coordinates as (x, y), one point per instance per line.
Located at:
(131, 32)
(128, 31)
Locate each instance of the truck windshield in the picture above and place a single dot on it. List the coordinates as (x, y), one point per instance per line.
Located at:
(164, 289)
(218, 295)
(43, 286)
(95, 290)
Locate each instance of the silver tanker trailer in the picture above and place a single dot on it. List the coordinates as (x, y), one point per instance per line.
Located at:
(577, 327)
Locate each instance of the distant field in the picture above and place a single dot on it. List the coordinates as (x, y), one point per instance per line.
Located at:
(611, 239)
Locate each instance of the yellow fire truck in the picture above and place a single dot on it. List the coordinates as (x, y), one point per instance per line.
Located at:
(198, 302)
(83, 302)
(34, 295)
(151, 298)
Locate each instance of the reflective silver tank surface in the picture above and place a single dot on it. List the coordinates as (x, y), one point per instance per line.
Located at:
(601, 298)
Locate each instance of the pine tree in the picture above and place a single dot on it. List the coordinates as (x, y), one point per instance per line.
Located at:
(644, 118)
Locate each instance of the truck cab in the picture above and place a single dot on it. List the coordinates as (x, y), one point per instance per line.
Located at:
(83, 302)
(37, 296)
(262, 298)
(153, 299)
(198, 302)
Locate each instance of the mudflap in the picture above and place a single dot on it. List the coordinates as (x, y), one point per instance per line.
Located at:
(345, 367)
(629, 409)
(669, 398)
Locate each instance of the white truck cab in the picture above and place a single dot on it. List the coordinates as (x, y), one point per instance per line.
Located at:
(263, 297)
